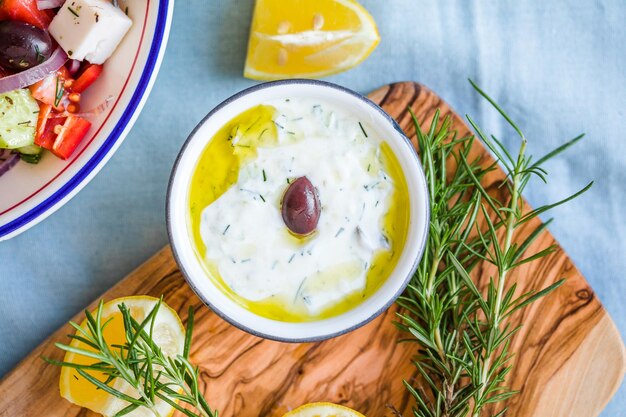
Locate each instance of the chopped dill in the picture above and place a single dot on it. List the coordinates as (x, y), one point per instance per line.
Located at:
(369, 187)
(39, 55)
(300, 288)
(362, 129)
(253, 123)
(58, 92)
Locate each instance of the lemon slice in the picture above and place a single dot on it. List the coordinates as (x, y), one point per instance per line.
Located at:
(308, 38)
(168, 334)
(323, 410)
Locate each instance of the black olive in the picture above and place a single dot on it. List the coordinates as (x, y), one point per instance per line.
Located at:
(301, 207)
(22, 45)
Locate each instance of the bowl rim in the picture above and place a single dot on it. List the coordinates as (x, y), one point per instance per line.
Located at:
(90, 168)
(421, 245)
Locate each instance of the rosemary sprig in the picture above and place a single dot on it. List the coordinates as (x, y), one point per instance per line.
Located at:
(139, 362)
(435, 302)
(490, 363)
(464, 332)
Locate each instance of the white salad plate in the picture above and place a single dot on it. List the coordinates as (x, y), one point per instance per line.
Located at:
(30, 193)
(183, 245)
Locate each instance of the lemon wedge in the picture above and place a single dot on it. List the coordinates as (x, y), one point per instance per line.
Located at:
(308, 38)
(168, 334)
(323, 410)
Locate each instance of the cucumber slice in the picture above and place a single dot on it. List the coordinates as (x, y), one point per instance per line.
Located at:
(18, 119)
(30, 150)
(31, 159)
(30, 154)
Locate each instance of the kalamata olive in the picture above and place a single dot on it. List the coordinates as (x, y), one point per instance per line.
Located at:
(301, 207)
(23, 46)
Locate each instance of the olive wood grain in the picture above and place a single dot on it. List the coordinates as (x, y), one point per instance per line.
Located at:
(571, 358)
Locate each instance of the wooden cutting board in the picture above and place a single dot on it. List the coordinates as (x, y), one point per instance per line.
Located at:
(571, 358)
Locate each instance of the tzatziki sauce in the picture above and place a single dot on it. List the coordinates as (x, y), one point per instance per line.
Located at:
(246, 239)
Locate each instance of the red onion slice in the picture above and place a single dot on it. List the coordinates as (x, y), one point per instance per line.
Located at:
(73, 66)
(49, 4)
(7, 160)
(32, 75)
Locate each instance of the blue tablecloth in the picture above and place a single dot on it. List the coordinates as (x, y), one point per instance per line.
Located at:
(558, 67)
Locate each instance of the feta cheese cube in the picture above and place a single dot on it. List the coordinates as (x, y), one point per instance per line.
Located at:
(89, 29)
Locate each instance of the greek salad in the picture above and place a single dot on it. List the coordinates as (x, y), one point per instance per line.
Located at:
(51, 52)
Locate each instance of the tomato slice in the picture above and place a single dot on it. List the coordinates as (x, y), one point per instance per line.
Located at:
(25, 11)
(87, 77)
(58, 133)
(72, 132)
(42, 121)
(46, 124)
(51, 90)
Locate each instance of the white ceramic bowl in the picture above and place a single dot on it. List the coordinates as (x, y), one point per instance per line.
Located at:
(30, 193)
(178, 207)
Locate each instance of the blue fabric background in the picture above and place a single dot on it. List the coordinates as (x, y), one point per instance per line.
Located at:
(558, 67)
